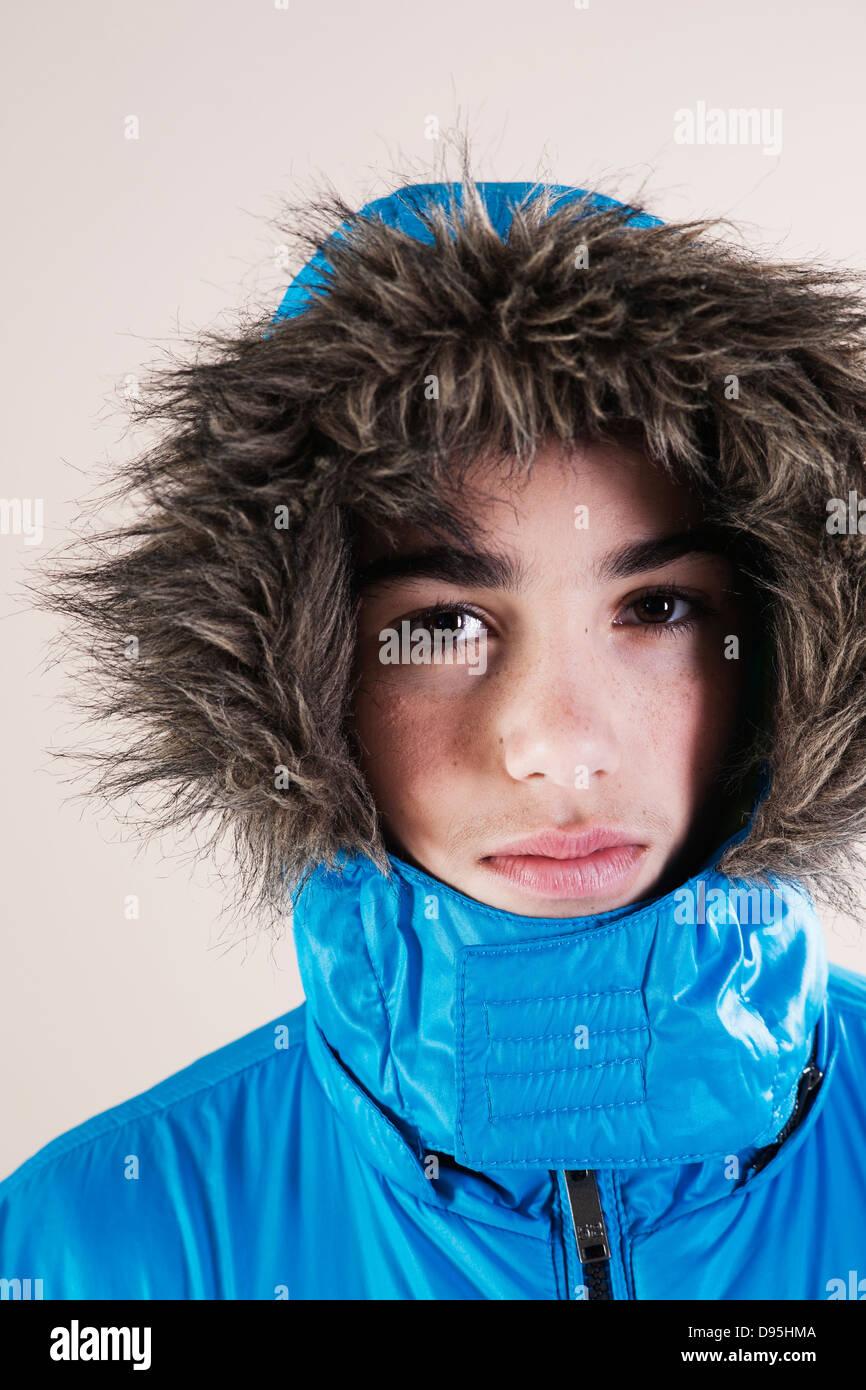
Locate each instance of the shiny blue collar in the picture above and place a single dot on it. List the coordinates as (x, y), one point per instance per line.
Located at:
(669, 1031)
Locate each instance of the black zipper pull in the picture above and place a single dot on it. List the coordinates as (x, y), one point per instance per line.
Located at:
(590, 1231)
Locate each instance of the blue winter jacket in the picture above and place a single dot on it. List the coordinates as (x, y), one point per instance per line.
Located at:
(474, 1104)
(660, 1102)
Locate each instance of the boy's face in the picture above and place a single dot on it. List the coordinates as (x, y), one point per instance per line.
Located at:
(593, 704)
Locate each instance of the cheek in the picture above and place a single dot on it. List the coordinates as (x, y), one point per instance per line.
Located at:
(682, 721)
(414, 747)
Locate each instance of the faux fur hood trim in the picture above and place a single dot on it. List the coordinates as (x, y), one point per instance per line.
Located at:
(580, 322)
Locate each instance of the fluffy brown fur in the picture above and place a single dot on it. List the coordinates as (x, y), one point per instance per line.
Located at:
(246, 631)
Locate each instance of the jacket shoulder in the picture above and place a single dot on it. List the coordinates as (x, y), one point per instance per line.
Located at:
(116, 1207)
(847, 990)
(194, 1083)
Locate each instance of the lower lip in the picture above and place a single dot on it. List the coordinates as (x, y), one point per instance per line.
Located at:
(588, 877)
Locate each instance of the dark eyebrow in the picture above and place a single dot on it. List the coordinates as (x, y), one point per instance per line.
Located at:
(477, 568)
(660, 550)
(488, 570)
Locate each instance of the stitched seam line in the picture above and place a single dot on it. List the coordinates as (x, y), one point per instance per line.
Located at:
(566, 1160)
(594, 1032)
(562, 1110)
(576, 1071)
(582, 994)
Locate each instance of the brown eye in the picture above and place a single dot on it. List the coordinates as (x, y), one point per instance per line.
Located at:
(457, 620)
(655, 608)
(662, 609)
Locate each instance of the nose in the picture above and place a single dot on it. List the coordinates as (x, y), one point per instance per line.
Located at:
(558, 721)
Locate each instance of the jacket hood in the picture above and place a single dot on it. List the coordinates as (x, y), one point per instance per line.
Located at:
(671, 1032)
(408, 211)
(541, 310)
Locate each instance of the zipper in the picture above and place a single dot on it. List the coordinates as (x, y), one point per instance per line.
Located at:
(810, 1082)
(587, 1213)
(590, 1231)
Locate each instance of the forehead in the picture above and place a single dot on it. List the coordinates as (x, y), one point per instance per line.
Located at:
(590, 497)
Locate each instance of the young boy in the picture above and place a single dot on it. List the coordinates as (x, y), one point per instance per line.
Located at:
(502, 595)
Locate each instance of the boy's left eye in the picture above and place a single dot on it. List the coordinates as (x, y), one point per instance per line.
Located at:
(658, 609)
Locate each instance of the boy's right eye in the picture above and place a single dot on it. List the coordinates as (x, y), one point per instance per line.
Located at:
(456, 618)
